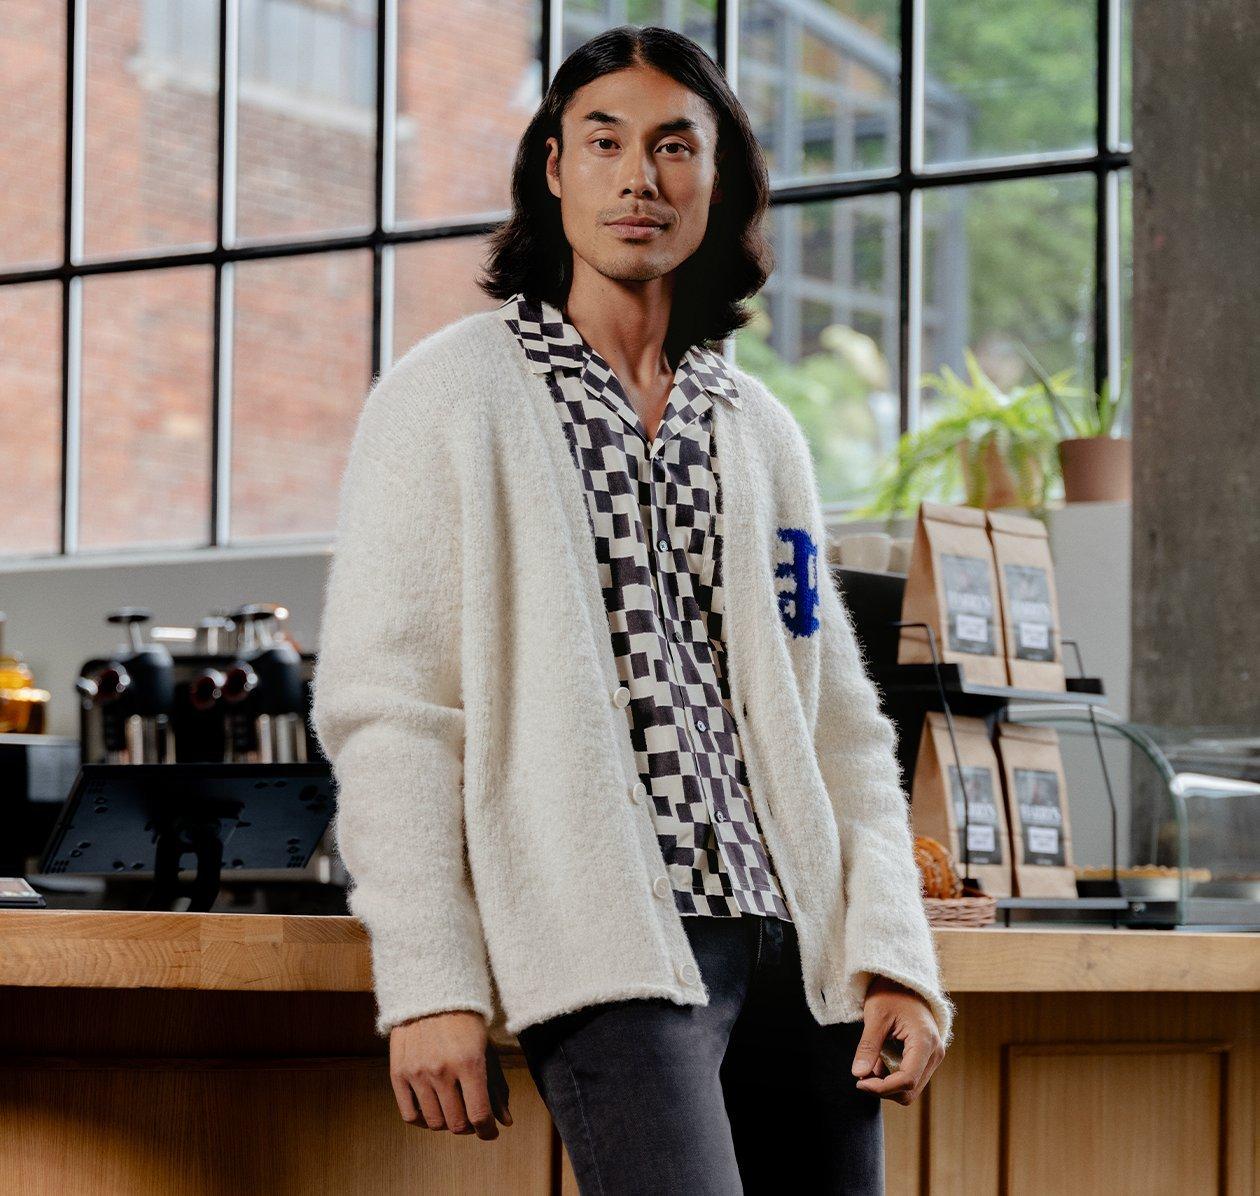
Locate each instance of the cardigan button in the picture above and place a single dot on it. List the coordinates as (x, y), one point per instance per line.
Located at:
(688, 973)
(621, 697)
(660, 886)
(639, 792)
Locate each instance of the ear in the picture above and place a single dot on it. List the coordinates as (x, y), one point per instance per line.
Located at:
(553, 166)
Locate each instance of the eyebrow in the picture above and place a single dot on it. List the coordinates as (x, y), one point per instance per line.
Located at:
(679, 124)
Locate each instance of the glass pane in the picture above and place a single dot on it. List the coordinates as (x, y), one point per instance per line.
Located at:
(30, 417)
(306, 156)
(1009, 78)
(151, 153)
(1005, 263)
(585, 18)
(147, 378)
(820, 82)
(303, 346)
(32, 134)
(1125, 181)
(433, 285)
(466, 90)
(825, 341)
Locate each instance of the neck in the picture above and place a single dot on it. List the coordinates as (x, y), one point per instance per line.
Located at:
(624, 322)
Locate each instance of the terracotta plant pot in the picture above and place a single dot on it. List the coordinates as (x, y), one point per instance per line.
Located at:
(1097, 468)
(989, 482)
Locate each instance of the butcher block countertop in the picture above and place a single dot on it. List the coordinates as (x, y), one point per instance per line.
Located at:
(293, 953)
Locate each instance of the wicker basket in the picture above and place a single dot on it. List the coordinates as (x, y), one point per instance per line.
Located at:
(961, 911)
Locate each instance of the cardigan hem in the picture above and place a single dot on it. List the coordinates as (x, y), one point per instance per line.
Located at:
(601, 996)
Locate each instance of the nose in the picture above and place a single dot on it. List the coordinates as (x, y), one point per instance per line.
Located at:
(640, 175)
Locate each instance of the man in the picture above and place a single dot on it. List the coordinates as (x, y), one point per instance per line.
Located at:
(580, 629)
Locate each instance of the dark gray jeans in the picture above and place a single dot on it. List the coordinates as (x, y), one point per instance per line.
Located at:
(746, 1094)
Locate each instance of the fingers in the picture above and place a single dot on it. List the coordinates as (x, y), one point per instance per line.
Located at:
(405, 1097)
(867, 1054)
(499, 1091)
(446, 1075)
(906, 1083)
(431, 1116)
(460, 1088)
(475, 1091)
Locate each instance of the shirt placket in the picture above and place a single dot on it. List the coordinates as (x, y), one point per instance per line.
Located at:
(648, 462)
(664, 553)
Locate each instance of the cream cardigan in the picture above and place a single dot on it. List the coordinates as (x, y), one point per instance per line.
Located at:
(466, 694)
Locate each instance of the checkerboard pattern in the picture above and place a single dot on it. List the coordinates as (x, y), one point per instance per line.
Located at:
(655, 510)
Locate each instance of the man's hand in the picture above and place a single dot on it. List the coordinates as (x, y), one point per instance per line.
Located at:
(446, 1065)
(893, 1010)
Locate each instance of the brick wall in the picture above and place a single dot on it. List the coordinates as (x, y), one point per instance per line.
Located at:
(467, 81)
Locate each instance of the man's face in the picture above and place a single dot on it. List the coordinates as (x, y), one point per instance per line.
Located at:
(637, 143)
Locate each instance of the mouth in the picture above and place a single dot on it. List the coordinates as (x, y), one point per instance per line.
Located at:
(637, 228)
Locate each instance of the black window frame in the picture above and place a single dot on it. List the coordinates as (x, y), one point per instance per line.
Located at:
(1106, 160)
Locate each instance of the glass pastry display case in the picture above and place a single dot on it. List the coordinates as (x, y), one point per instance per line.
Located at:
(1170, 816)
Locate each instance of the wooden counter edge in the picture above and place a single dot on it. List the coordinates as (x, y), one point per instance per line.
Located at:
(322, 953)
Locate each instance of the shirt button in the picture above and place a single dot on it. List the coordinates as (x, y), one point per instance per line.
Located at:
(719, 816)
(660, 886)
(663, 544)
(701, 725)
(621, 697)
(639, 792)
(688, 973)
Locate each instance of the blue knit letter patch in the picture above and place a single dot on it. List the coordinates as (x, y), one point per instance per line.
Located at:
(798, 604)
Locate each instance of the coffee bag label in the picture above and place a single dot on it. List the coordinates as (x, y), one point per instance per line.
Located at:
(984, 842)
(1040, 815)
(969, 604)
(1032, 612)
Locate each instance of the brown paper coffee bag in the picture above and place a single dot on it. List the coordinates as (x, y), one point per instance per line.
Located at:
(952, 586)
(1037, 810)
(1029, 600)
(936, 800)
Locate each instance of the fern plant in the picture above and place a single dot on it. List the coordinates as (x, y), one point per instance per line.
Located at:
(977, 427)
(1090, 416)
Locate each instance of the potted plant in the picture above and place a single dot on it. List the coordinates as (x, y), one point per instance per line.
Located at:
(997, 447)
(1096, 464)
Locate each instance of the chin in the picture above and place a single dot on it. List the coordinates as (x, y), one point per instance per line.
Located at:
(633, 271)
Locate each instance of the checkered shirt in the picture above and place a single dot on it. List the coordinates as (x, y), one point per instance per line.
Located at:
(656, 515)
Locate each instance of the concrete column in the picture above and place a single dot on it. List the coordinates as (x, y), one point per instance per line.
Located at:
(1196, 359)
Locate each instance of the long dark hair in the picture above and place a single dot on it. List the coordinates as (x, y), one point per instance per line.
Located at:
(530, 253)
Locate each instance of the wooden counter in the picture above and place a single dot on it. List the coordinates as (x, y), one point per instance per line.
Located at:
(195, 1053)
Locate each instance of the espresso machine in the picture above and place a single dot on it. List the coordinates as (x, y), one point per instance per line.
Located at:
(127, 700)
(262, 693)
(215, 717)
(236, 690)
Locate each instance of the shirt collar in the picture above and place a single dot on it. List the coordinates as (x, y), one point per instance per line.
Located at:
(551, 342)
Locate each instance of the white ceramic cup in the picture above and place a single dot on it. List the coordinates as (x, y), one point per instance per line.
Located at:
(866, 550)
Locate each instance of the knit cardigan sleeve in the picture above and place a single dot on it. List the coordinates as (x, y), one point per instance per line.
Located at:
(886, 926)
(388, 712)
